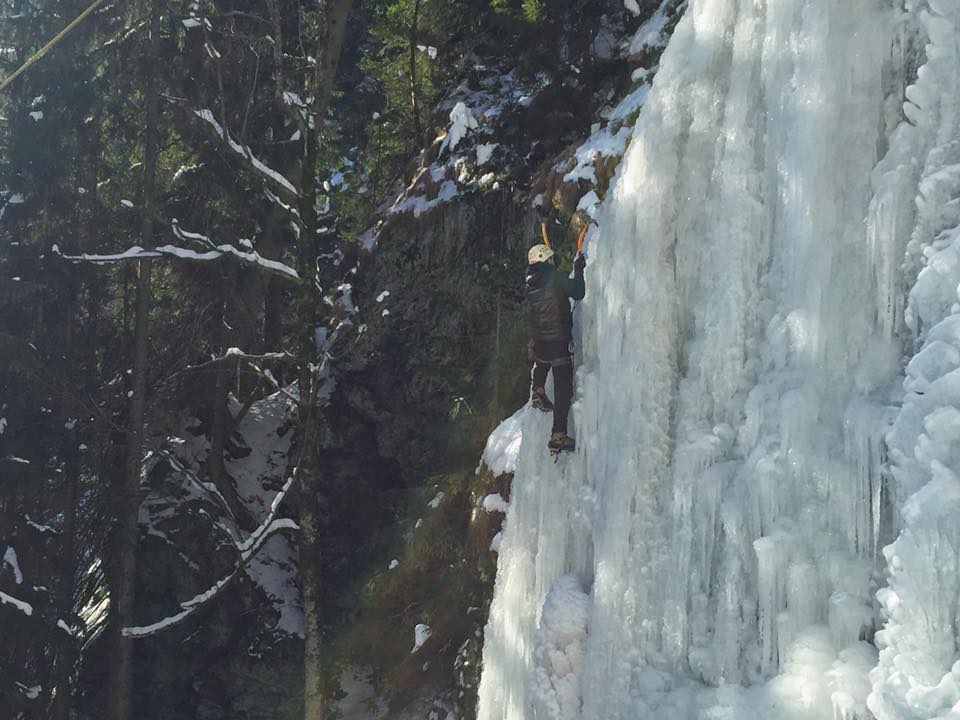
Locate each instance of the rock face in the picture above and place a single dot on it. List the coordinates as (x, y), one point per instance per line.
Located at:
(440, 290)
(431, 348)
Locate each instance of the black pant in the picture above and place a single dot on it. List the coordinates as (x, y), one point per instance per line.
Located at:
(558, 357)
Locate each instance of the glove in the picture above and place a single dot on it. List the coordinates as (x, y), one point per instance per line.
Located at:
(579, 263)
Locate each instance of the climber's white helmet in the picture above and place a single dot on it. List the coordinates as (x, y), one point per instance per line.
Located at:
(539, 253)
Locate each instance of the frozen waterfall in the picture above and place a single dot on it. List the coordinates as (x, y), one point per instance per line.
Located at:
(751, 435)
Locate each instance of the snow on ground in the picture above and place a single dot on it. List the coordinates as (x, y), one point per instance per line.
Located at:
(419, 204)
(421, 633)
(652, 34)
(495, 503)
(462, 122)
(274, 570)
(268, 432)
(485, 152)
(503, 445)
(589, 202)
(601, 144)
(359, 701)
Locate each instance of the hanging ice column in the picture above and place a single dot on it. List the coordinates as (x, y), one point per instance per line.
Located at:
(918, 675)
(739, 369)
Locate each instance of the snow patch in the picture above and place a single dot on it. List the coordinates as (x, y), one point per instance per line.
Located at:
(421, 633)
(462, 122)
(503, 445)
(485, 152)
(496, 503)
(601, 144)
(589, 202)
(652, 33)
(10, 560)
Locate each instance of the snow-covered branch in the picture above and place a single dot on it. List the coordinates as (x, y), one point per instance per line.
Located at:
(241, 355)
(274, 198)
(24, 607)
(205, 487)
(214, 253)
(246, 153)
(247, 549)
(251, 257)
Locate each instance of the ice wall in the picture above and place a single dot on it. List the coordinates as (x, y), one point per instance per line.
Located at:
(917, 676)
(740, 386)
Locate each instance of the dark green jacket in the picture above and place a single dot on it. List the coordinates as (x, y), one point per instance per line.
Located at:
(549, 292)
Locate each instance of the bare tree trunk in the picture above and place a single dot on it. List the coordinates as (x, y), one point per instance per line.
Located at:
(306, 477)
(120, 679)
(330, 32)
(276, 20)
(414, 90)
(127, 531)
(65, 658)
(314, 700)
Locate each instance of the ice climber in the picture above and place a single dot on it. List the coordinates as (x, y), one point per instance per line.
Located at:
(549, 292)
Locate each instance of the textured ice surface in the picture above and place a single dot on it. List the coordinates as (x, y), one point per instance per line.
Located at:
(918, 675)
(745, 448)
(558, 652)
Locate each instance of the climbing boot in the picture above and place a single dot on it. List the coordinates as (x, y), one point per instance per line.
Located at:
(561, 442)
(540, 400)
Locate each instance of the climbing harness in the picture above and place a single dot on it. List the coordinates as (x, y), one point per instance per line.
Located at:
(43, 51)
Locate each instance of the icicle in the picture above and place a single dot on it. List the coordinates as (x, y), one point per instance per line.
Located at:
(772, 559)
(848, 617)
(804, 593)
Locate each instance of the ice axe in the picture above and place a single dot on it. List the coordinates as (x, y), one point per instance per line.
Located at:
(543, 231)
(583, 234)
